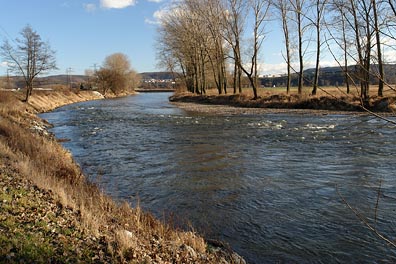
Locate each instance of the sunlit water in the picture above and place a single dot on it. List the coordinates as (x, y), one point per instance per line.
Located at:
(265, 183)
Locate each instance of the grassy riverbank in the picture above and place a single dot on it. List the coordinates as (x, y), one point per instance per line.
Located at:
(329, 99)
(51, 213)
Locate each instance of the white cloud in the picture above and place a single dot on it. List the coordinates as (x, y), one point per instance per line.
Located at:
(108, 4)
(4, 64)
(89, 7)
(150, 21)
(157, 16)
(281, 68)
(155, 1)
(389, 55)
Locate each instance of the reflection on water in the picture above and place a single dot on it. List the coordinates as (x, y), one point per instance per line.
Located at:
(266, 184)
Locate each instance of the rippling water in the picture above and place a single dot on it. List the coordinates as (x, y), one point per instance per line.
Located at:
(266, 184)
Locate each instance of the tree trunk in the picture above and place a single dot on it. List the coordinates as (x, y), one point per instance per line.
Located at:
(379, 52)
(346, 71)
(316, 77)
(318, 20)
(300, 50)
(28, 93)
(234, 77)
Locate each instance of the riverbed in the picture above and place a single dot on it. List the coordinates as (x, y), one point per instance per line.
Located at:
(273, 185)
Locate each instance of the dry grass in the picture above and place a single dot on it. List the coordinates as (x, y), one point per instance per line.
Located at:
(327, 98)
(130, 233)
(336, 91)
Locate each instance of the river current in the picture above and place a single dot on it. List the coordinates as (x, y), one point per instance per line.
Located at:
(275, 187)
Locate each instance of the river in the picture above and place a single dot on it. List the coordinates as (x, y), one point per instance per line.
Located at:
(270, 185)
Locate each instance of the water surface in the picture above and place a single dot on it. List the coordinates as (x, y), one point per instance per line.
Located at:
(264, 183)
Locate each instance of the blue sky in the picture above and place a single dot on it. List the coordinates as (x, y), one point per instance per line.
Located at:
(84, 32)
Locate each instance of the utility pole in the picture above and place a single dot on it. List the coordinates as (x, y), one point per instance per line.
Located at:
(94, 74)
(69, 78)
(8, 79)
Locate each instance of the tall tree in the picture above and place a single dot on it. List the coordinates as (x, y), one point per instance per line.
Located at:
(361, 12)
(297, 9)
(29, 57)
(340, 11)
(234, 22)
(283, 7)
(377, 30)
(317, 22)
(209, 15)
(260, 11)
(184, 44)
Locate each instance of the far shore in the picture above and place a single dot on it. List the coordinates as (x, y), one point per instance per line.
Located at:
(45, 101)
(217, 109)
(282, 103)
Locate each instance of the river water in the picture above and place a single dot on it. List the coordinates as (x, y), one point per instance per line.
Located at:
(270, 185)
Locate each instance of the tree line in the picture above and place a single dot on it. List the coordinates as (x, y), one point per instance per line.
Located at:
(219, 41)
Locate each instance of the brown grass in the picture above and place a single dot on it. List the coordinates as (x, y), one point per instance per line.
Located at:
(327, 98)
(322, 91)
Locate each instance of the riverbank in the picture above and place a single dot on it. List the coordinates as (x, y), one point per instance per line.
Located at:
(291, 102)
(51, 213)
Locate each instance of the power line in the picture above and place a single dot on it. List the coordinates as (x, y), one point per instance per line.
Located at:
(6, 35)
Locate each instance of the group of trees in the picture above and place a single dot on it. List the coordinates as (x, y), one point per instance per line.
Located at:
(212, 40)
(29, 56)
(116, 75)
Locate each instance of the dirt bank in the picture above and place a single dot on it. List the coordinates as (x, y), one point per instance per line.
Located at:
(281, 102)
(50, 213)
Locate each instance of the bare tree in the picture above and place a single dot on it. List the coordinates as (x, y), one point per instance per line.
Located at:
(234, 21)
(259, 9)
(283, 7)
(381, 76)
(297, 9)
(317, 22)
(361, 12)
(104, 80)
(208, 16)
(29, 57)
(116, 74)
(182, 45)
(340, 9)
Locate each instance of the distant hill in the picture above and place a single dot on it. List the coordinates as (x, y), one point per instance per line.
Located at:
(157, 75)
(51, 80)
(63, 78)
(330, 76)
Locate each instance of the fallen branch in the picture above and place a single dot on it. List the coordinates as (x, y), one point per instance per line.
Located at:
(364, 220)
(379, 116)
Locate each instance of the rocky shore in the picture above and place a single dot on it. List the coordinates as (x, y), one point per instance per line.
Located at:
(50, 213)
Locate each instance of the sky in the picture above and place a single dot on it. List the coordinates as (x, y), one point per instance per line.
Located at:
(84, 32)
